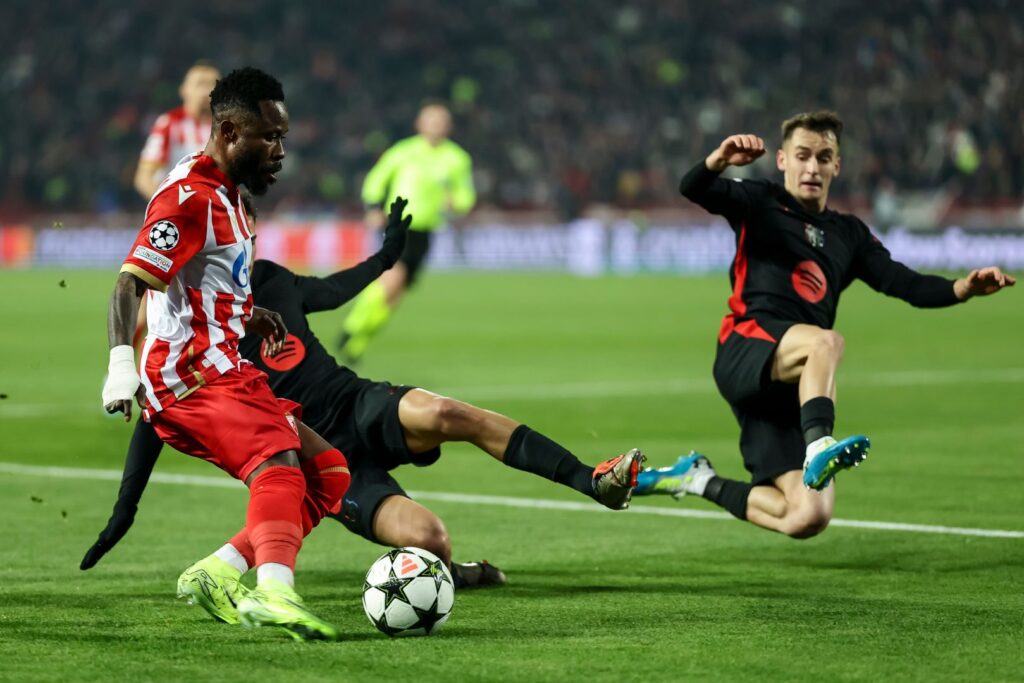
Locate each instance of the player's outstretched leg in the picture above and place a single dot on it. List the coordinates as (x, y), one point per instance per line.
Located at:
(429, 420)
(826, 457)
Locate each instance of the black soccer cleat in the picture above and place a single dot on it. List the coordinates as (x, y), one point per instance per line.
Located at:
(480, 574)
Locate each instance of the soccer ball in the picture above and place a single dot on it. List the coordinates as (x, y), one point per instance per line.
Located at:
(164, 235)
(408, 592)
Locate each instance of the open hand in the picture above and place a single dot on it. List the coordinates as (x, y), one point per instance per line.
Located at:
(270, 326)
(982, 282)
(395, 233)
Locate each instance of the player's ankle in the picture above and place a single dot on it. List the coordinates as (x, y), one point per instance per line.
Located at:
(269, 573)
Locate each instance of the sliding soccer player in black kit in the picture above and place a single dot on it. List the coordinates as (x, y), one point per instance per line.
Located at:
(378, 426)
(777, 353)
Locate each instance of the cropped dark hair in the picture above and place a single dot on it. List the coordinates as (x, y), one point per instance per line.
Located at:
(814, 121)
(244, 89)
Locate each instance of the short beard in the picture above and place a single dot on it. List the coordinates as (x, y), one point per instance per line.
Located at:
(245, 170)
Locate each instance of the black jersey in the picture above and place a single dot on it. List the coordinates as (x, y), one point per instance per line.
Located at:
(792, 264)
(304, 371)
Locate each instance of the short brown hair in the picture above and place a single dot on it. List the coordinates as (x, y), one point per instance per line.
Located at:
(815, 121)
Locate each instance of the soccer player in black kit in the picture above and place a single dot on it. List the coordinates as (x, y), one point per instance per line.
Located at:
(377, 425)
(777, 353)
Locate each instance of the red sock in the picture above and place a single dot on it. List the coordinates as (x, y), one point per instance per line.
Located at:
(327, 478)
(274, 519)
(241, 543)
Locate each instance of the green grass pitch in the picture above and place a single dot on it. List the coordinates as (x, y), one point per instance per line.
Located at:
(600, 365)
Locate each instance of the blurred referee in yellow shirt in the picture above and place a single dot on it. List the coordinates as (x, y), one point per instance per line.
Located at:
(436, 176)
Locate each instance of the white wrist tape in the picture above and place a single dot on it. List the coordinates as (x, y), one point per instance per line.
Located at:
(122, 379)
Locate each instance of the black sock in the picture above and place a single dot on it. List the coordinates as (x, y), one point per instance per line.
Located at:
(730, 494)
(532, 452)
(817, 418)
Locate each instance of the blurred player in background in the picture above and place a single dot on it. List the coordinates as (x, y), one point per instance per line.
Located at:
(436, 176)
(777, 353)
(195, 249)
(174, 134)
(377, 425)
(178, 132)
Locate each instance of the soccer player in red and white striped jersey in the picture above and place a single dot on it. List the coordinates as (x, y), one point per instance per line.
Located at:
(194, 252)
(178, 132)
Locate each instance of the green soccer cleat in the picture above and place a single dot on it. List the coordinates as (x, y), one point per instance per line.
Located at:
(275, 603)
(833, 457)
(615, 478)
(214, 585)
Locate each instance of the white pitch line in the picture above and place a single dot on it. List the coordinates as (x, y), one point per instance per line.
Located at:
(683, 386)
(613, 388)
(501, 501)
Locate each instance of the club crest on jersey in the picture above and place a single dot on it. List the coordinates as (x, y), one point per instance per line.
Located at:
(164, 235)
(291, 355)
(815, 235)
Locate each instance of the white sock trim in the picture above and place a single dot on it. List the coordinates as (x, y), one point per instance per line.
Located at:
(817, 446)
(275, 572)
(701, 477)
(230, 554)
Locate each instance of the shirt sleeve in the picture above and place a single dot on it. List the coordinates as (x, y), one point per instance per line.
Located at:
(168, 239)
(333, 291)
(375, 186)
(725, 197)
(157, 146)
(463, 194)
(876, 267)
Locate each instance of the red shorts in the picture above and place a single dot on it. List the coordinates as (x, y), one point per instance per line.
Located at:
(235, 422)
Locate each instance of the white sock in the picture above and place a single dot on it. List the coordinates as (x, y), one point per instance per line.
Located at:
(817, 446)
(230, 554)
(701, 477)
(276, 572)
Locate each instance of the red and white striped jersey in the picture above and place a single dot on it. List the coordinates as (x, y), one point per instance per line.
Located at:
(195, 250)
(174, 135)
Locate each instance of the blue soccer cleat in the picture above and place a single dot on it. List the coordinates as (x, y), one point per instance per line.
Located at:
(690, 474)
(834, 457)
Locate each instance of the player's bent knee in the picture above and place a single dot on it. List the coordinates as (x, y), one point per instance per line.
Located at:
(451, 417)
(831, 343)
(807, 524)
(431, 535)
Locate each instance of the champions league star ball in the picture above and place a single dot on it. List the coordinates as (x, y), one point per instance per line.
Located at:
(408, 592)
(164, 235)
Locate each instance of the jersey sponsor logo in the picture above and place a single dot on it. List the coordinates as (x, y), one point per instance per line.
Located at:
(809, 281)
(292, 354)
(153, 258)
(240, 268)
(184, 192)
(164, 235)
(814, 235)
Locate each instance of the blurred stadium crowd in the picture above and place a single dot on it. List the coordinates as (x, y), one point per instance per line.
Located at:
(562, 104)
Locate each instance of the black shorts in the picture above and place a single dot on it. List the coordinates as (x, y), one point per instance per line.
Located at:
(369, 434)
(768, 412)
(417, 246)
